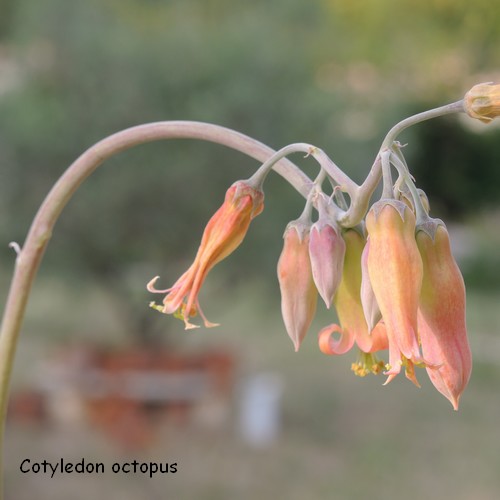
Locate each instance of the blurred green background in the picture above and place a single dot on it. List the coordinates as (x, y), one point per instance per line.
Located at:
(337, 74)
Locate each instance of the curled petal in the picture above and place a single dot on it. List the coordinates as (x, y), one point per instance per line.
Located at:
(151, 286)
(330, 345)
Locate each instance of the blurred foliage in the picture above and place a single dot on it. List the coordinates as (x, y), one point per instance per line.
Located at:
(481, 268)
(468, 177)
(335, 73)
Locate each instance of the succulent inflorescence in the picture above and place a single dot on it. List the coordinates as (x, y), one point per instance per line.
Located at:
(387, 269)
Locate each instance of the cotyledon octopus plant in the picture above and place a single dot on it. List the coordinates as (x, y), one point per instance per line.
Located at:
(387, 269)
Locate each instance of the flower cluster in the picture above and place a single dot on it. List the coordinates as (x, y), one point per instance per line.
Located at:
(387, 269)
(392, 280)
(396, 287)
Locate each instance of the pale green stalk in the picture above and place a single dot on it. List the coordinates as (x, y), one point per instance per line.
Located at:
(344, 182)
(360, 198)
(31, 253)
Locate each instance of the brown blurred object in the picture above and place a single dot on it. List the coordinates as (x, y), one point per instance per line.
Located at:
(130, 394)
(28, 406)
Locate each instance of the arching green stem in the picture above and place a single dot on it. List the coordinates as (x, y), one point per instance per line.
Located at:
(31, 253)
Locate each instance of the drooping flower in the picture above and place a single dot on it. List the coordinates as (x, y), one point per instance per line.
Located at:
(326, 250)
(441, 320)
(338, 339)
(222, 235)
(395, 270)
(298, 291)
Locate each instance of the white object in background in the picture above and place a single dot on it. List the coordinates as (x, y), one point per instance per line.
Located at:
(260, 409)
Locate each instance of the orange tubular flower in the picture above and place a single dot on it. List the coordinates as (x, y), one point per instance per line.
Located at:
(223, 234)
(349, 309)
(298, 291)
(395, 270)
(441, 319)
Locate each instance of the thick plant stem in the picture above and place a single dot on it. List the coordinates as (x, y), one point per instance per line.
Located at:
(30, 255)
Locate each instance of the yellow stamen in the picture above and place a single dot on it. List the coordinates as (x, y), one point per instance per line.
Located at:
(158, 307)
(367, 363)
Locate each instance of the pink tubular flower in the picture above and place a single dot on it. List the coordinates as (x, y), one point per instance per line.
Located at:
(395, 270)
(298, 292)
(347, 301)
(441, 319)
(326, 250)
(223, 234)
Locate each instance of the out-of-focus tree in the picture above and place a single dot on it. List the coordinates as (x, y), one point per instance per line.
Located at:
(334, 73)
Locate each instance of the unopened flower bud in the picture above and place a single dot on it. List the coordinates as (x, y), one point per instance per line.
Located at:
(298, 291)
(326, 250)
(442, 327)
(483, 102)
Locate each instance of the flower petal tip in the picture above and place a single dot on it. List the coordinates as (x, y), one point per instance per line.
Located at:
(150, 286)
(190, 326)
(327, 300)
(454, 400)
(412, 378)
(209, 324)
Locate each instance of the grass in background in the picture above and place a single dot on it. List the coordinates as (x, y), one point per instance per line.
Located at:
(342, 437)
